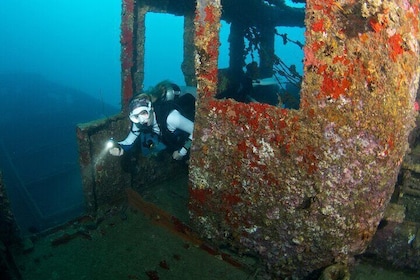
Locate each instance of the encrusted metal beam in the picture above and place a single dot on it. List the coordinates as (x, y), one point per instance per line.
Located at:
(127, 50)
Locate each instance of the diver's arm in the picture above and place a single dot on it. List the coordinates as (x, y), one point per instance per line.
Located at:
(177, 121)
(127, 143)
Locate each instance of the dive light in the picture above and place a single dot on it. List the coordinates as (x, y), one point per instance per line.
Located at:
(111, 143)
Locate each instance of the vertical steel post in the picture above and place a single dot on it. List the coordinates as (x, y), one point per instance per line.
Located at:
(127, 51)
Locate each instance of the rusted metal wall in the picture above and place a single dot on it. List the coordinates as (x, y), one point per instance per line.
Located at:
(102, 175)
(103, 178)
(306, 189)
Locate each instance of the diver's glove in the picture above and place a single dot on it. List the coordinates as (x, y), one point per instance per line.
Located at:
(177, 155)
(114, 148)
(116, 151)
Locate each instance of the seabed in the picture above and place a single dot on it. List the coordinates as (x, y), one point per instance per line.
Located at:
(127, 243)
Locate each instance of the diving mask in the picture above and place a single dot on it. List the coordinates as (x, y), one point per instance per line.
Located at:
(140, 110)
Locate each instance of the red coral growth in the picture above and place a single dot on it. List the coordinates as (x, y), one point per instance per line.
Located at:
(318, 26)
(317, 45)
(261, 114)
(376, 26)
(326, 6)
(344, 60)
(254, 123)
(200, 31)
(391, 143)
(235, 183)
(128, 6)
(286, 148)
(213, 48)
(395, 42)
(282, 123)
(334, 87)
(261, 107)
(243, 147)
(126, 40)
(279, 138)
(210, 16)
(284, 112)
(208, 90)
(309, 159)
(227, 207)
(126, 35)
(211, 75)
(318, 7)
(200, 195)
(127, 32)
(322, 68)
(231, 198)
(127, 62)
(311, 113)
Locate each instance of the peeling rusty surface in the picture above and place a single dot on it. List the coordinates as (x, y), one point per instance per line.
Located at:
(127, 50)
(306, 189)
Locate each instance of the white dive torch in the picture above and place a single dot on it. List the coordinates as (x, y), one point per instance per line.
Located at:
(111, 143)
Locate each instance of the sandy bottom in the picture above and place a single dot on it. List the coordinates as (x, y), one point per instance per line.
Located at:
(127, 244)
(134, 248)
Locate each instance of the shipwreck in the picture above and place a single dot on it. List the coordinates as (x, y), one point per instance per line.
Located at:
(302, 189)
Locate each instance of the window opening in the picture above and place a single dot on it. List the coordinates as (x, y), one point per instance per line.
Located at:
(223, 61)
(277, 82)
(288, 66)
(163, 49)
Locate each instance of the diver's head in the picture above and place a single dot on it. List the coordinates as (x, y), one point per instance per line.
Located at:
(165, 90)
(141, 110)
(172, 92)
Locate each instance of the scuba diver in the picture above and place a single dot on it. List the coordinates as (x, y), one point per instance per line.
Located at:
(167, 111)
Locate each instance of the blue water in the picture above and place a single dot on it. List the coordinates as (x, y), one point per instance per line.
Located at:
(38, 149)
(59, 66)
